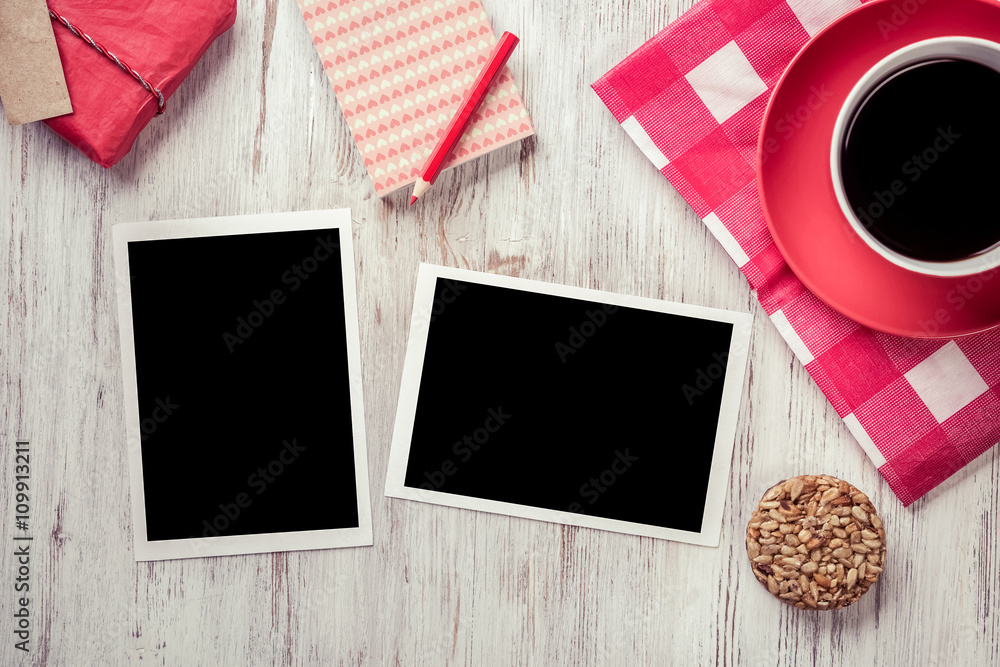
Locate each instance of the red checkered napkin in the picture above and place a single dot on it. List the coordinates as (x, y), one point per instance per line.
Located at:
(693, 99)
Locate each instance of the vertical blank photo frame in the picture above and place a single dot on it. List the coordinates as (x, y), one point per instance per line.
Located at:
(241, 365)
(568, 405)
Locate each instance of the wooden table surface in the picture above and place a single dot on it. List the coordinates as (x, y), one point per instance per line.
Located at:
(256, 128)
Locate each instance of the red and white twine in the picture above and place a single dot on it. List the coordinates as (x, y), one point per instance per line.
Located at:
(103, 51)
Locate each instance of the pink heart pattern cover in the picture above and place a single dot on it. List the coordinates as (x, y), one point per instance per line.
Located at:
(400, 68)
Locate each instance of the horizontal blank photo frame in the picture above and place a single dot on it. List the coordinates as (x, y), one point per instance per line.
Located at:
(242, 371)
(568, 405)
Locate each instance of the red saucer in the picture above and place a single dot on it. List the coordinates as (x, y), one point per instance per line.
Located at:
(796, 186)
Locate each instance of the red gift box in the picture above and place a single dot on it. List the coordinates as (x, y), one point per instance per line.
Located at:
(161, 40)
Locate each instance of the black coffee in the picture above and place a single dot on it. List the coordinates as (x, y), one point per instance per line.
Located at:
(921, 160)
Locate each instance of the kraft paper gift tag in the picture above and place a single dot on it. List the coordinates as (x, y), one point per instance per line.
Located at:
(32, 84)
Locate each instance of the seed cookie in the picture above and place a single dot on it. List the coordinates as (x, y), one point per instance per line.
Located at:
(815, 542)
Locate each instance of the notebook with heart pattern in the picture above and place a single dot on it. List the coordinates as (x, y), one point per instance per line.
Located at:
(400, 69)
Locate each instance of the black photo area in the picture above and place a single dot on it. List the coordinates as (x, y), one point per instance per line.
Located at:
(244, 397)
(563, 404)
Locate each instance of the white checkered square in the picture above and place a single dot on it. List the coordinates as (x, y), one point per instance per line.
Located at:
(946, 381)
(726, 82)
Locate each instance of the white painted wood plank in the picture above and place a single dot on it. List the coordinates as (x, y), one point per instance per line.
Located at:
(256, 128)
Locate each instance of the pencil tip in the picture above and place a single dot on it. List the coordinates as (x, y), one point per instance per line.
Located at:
(413, 200)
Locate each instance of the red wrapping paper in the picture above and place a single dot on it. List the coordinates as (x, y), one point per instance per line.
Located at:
(161, 39)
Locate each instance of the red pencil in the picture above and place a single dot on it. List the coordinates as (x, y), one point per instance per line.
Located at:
(472, 100)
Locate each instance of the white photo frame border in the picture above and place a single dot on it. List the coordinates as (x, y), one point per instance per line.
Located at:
(232, 545)
(725, 439)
